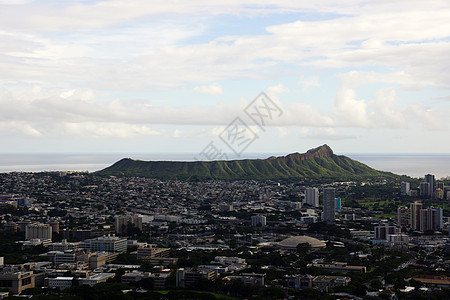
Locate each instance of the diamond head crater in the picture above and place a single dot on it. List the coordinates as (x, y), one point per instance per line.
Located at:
(317, 163)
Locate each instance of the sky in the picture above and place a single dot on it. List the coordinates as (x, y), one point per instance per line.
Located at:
(218, 77)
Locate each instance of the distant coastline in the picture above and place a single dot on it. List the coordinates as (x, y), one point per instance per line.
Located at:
(414, 165)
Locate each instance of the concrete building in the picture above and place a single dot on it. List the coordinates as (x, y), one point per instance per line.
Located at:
(405, 188)
(225, 207)
(439, 194)
(425, 189)
(329, 205)
(134, 276)
(122, 222)
(398, 240)
(96, 278)
(109, 243)
(258, 221)
(299, 282)
(17, 281)
(338, 267)
(312, 196)
(326, 282)
(404, 217)
(430, 180)
(382, 231)
(60, 282)
(55, 226)
(431, 219)
(160, 279)
(62, 257)
(248, 278)
(64, 245)
(148, 252)
(188, 277)
(38, 231)
(415, 209)
(337, 204)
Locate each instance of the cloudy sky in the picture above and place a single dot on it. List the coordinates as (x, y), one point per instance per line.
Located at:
(172, 76)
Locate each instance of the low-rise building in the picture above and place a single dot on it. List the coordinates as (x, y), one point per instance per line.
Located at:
(96, 278)
(339, 267)
(17, 281)
(60, 282)
(326, 282)
(134, 276)
(187, 277)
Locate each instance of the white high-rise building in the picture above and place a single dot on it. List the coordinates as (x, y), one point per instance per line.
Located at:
(38, 231)
(405, 189)
(329, 205)
(258, 220)
(312, 196)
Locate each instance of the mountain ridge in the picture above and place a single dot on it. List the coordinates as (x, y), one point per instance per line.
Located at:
(320, 162)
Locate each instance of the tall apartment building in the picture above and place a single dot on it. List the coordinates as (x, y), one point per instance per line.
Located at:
(425, 189)
(405, 188)
(415, 209)
(329, 205)
(404, 217)
(430, 179)
(431, 219)
(312, 196)
(259, 220)
(121, 223)
(38, 231)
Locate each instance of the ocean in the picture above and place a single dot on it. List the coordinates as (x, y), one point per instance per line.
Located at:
(414, 165)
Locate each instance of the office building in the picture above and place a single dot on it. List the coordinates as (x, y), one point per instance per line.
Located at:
(96, 278)
(109, 243)
(325, 282)
(258, 221)
(38, 231)
(338, 267)
(329, 205)
(405, 188)
(187, 277)
(17, 281)
(60, 282)
(382, 231)
(312, 196)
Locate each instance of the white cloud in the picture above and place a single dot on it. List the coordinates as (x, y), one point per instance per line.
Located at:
(213, 89)
(277, 89)
(309, 82)
(177, 133)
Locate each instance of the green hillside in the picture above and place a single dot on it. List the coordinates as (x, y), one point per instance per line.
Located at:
(320, 162)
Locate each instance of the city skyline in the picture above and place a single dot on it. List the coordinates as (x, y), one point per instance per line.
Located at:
(116, 76)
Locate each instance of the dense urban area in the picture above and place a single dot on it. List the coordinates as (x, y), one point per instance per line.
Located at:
(75, 235)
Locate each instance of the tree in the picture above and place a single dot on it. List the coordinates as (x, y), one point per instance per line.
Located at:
(303, 248)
